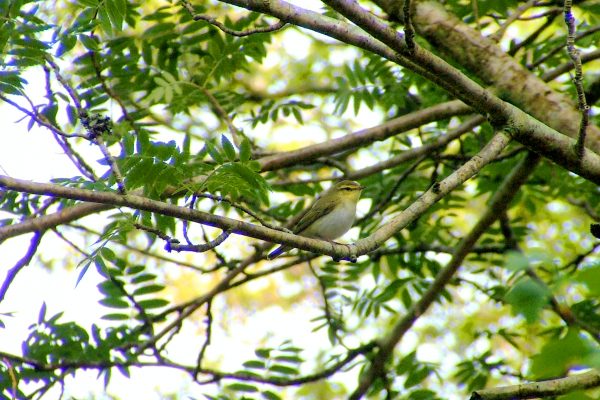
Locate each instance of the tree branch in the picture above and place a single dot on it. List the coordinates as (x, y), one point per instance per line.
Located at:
(550, 388)
(217, 375)
(23, 262)
(468, 47)
(522, 126)
(365, 136)
(363, 246)
(499, 202)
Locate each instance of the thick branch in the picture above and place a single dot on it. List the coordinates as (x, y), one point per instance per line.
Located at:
(23, 262)
(278, 161)
(366, 136)
(523, 127)
(485, 59)
(142, 203)
(363, 246)
(534, 390)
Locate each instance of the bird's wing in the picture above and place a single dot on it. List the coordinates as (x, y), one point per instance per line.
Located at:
(318, 210)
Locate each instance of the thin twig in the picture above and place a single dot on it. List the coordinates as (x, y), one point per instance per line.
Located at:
(475, 6)
(198, 248)
(146, 253)
(173, 244)
(201, 17)
(40, 119)
(578, 79)
(391, 192)
(91, 124)
(65, 84)
(112, 163)
(239, 207)
(186, 224)
(220, 111)
(147, 322)
(209, 321)
(113, 95)
(270, 28)
(567, 66)
(409, 30)
(534, 35)
(335, 324)
(558, 48)
(512, 18)
(23, 262)
(217, 375)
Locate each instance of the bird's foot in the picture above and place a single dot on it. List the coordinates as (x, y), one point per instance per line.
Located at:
(351, 248)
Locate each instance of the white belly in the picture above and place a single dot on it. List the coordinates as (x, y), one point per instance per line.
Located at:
(334, 224)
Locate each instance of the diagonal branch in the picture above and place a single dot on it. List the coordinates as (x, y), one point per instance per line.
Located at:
(499, 202)
(387, 42)
(546, 389)
(23, 262)
(363, 246)
(366, 136)
(467, 47)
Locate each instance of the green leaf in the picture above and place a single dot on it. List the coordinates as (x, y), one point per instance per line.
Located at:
(114, 302)
(89, 43)
(528, 298)
(242, 387)
(269, 395)
(289, 359)
(148, 289)
(143, 278)
(590, 277)
(83, 271)
(109, 289)
(214, 153)
(228, 148)
(116, 317)
(283, 369)
(135, 269)
(515, 261)
(101, 267)
(245, 150)
(256, 364)
(263, 353)
(116, 10)
(416, 376)
(153, 303)
(42, 313)
(105, 21)
(422, 394)
(559, 355)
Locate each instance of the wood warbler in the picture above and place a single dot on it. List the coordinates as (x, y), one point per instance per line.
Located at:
(330, 216)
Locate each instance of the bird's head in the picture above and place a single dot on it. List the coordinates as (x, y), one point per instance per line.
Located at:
(347, 190)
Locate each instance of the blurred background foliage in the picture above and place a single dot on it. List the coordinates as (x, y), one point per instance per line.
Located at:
(195, 111)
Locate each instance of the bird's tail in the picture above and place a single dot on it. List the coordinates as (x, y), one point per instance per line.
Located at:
(277, 252)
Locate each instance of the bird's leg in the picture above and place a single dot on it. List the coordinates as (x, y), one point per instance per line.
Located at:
(351, 248)
(335, 259)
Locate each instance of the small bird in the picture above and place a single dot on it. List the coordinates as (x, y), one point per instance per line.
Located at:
(330, 216)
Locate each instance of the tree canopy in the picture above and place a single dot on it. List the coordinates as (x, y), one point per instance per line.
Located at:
(196, 132)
